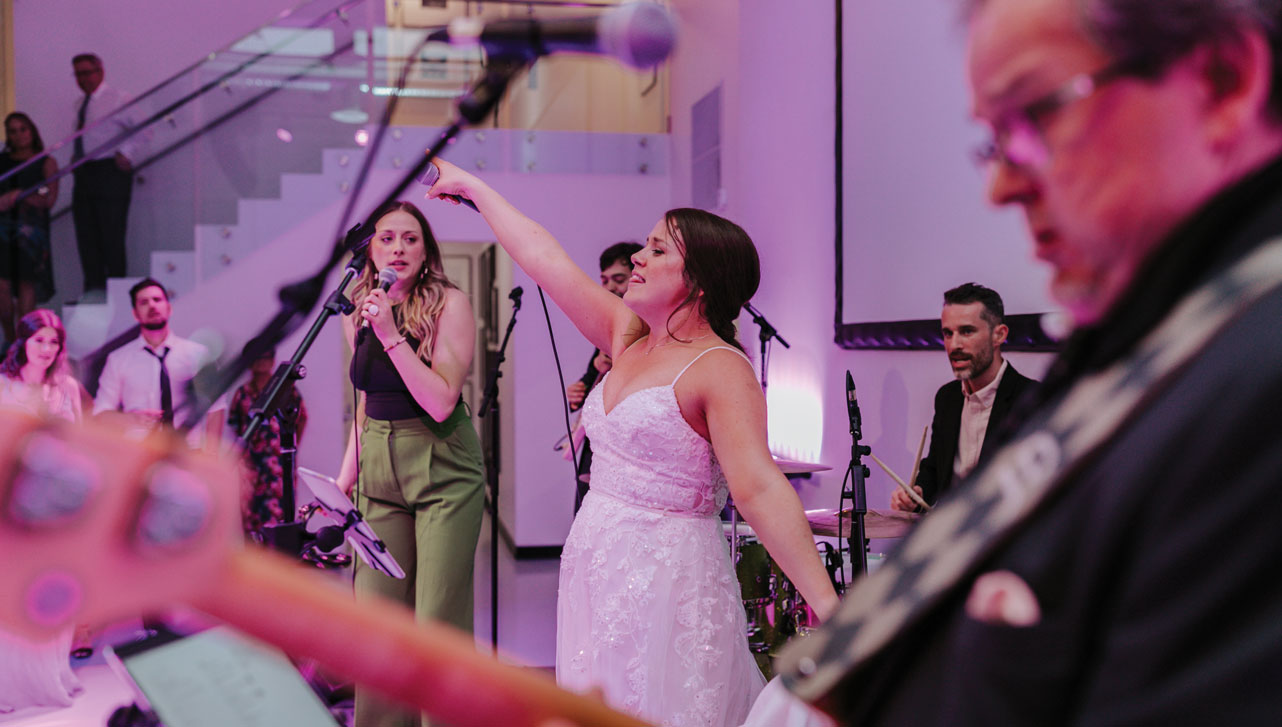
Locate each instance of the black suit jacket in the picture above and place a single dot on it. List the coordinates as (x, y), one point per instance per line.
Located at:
(935, 476)
(1154, 566)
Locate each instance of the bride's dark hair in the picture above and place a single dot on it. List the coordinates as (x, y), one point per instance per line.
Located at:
(721, 267)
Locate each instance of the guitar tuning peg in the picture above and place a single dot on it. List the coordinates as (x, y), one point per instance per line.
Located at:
(53, 484)
(176, 509)
(54, 599)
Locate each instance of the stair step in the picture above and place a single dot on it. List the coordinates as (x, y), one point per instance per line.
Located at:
(89, 325)
(175, 269)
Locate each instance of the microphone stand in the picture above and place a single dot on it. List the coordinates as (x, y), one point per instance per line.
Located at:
(488, 403)
(857, 472)
(767, 332)
(273, 397)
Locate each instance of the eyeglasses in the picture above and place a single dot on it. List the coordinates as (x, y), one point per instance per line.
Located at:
(1018, 136)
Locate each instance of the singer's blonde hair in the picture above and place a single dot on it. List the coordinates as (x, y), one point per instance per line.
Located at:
(416, 317)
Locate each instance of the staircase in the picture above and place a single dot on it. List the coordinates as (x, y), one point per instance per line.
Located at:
(259, 223)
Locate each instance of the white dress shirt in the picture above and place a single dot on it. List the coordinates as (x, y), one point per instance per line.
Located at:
(102, 102)
(976, 409)
(130, 379)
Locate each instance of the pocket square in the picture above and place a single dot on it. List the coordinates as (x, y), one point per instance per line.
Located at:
(1003, 598)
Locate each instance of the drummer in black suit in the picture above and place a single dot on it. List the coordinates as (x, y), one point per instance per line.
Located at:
(970, 410)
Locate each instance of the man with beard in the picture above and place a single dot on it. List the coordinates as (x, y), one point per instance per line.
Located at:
(147, 377)
(970, 409)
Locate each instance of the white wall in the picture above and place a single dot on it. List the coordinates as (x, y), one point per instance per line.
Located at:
(911, 184)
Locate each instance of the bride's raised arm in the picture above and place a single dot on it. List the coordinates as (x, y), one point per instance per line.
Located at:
(600, 316)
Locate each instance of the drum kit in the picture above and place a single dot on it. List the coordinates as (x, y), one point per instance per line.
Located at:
(776, 611)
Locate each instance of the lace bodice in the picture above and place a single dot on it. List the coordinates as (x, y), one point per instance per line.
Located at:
(648, 607)
(645, 453)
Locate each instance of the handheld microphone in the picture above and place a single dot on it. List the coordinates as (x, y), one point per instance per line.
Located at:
(386, 278)
(639, 34)
(433, 173)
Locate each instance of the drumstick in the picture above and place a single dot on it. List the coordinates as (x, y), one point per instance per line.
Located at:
(917, 460)
(904, 486)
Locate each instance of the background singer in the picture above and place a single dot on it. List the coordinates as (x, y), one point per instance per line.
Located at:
(421, 474)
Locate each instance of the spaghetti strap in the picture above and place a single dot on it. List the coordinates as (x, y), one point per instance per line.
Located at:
(701, 355)
(630, 345)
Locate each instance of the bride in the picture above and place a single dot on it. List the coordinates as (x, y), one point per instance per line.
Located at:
(648, 607)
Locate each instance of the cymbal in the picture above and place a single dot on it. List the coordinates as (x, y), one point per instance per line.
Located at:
(877, 523)
(793, 467)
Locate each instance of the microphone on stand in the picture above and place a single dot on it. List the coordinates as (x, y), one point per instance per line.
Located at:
(639, 34)
(515, 297)
(325, 539)
(852, 409)
(857, 473)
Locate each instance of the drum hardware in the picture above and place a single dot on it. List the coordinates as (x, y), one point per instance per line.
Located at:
(787, 467)
(856, 473)
(775, 609)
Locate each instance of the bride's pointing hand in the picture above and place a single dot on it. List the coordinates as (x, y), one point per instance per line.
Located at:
(452, 183)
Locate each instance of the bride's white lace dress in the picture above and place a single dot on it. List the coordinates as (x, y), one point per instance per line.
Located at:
(648, 607)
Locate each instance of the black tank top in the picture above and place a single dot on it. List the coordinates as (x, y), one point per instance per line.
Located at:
(372, 371)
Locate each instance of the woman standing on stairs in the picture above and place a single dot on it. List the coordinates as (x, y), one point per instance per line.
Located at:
(26, 268)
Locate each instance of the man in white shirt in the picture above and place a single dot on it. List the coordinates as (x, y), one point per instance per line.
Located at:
(147, 377)
(972, 407)
(104, 180)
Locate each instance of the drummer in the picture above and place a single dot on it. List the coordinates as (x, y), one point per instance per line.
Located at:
(971, 408)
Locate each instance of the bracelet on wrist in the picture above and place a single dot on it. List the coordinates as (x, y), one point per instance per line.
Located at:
(393, 344)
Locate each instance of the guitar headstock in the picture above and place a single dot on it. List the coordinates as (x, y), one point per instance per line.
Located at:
(98, 527)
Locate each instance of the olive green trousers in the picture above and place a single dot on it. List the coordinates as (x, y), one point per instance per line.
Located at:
(421, 488)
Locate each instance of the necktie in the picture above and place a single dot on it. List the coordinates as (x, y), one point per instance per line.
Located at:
(78, 148)
(166, 392)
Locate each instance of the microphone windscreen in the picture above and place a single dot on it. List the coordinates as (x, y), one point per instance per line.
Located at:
(386, 278)
(329, 537)
(640, 34)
